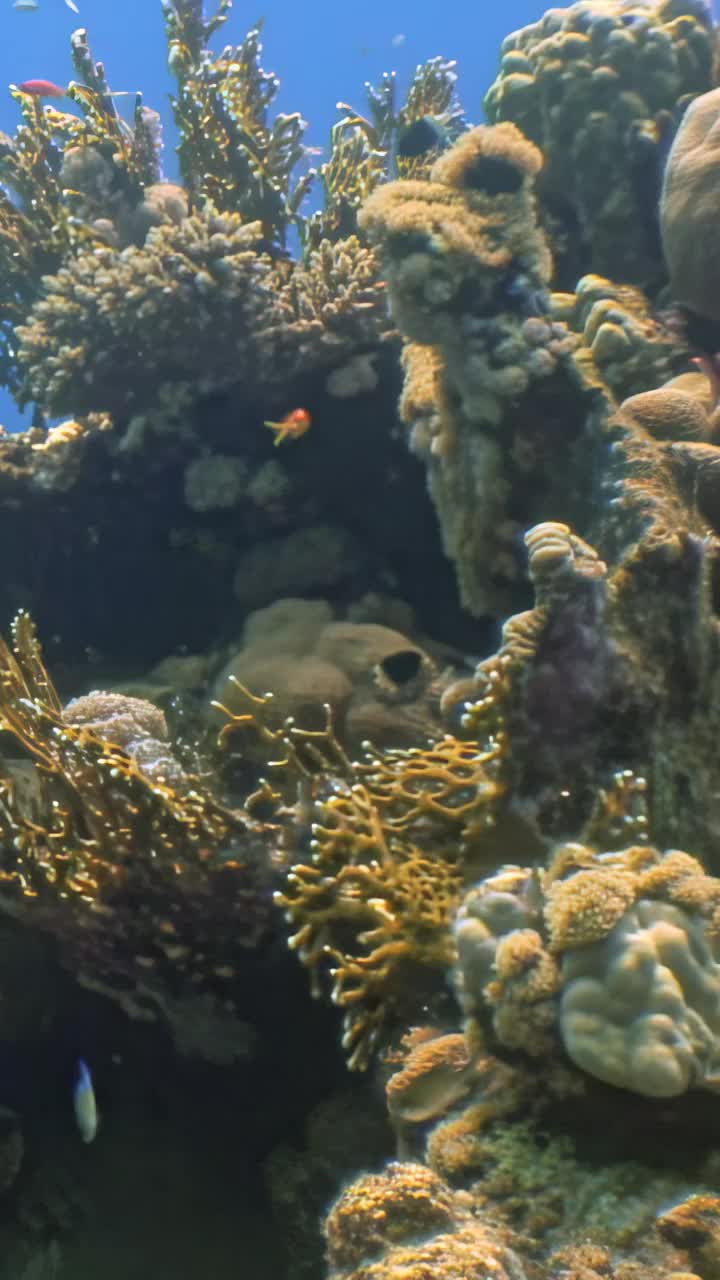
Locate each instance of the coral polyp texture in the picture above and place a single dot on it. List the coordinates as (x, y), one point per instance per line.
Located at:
(616, 953)
(595, 86)
(406, 1221)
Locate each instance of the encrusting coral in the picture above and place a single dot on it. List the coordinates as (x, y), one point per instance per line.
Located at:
(406, 1221)
(616, 953)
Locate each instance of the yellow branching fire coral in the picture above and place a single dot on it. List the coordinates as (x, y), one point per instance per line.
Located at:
(100, 810)
(138, 878)
(374, 904)
(394, 900)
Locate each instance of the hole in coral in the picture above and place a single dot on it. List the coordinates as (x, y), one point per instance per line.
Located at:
(494, 175)
(401, 667)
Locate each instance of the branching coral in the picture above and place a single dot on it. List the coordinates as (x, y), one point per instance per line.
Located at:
(59, 174)
(102, 315)
(375, 903)
(366, 151)
(229, 151)
(595, 85)
(198, 303)
(139, 880)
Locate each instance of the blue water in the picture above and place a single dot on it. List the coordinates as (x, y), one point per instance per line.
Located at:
(323, 52)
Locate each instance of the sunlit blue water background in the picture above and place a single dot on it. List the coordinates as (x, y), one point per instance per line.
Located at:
(323, 51)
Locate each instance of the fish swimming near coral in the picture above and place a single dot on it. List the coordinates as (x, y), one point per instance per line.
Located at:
(42, 89)
(86, 1112)
(292, 426)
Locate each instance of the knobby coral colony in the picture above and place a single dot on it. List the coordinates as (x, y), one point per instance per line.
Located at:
(553, 855)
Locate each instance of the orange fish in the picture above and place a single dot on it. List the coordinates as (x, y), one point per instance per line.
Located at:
(293, 425)
(42, 89)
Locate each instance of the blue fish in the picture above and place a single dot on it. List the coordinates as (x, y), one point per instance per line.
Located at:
(86, 1112)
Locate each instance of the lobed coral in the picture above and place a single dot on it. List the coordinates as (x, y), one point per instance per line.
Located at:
(615, 952)
(596, 86)
(688, 208)
(377, 683)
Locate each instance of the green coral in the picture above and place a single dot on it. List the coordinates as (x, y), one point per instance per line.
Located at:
(596, 86)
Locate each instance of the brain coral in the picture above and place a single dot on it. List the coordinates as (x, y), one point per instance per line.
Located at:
(617, 952)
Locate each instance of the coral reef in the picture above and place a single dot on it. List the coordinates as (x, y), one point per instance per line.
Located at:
(406, 1221)
(378, 684)
(688, 208)
(95, 829)
(596, 86)
(502, 870)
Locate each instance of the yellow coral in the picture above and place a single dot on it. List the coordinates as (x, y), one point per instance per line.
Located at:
(436, 1072)
(584, 908)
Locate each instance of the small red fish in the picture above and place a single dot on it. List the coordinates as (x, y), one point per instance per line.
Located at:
(292, 426)
(42, 89)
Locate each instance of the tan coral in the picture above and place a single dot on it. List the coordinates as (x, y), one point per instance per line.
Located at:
(435, 1074)
(595, 86)
(405, 1221)
(688, 207)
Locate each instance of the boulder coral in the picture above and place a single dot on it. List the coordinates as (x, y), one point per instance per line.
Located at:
(689, 208)
(596, 85)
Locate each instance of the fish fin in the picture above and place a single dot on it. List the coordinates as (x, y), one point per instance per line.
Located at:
(281, 435)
